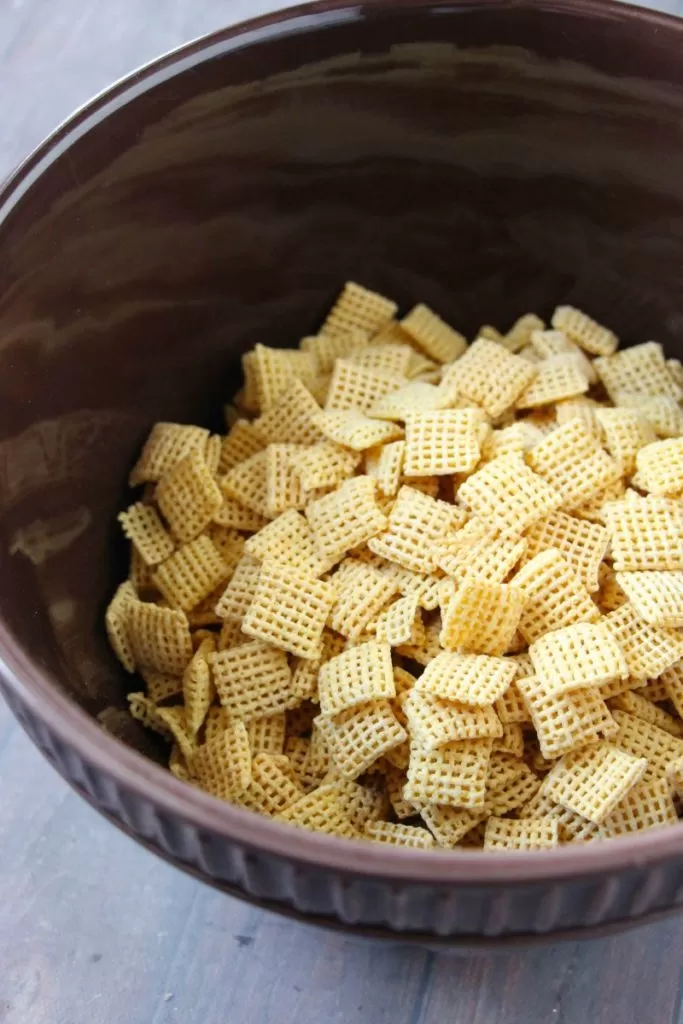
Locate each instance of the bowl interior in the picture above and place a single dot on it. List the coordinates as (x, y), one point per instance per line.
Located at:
(488, 160)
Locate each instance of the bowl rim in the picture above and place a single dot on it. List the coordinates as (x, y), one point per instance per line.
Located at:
(37, 689)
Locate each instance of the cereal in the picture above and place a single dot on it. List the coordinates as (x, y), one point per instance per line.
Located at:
(490, 376)
(346, 518)
(648, 650)
(660, 467)
(592, 781)
(509, 494)
(416, 525)
(558, 377)
(587, 333)
(167, 444)
(583, 544)
(289, 610)
(639, 370)
(475, 679)
(356, 676)
(657, 596)
(554, 596)
(358, 309)
(399, 835)
(645, 534)
(455, 774)
(253, 680)
(574, 463)
(360, 735)
(481, 618)
(420, 593)
(191, 573)
(578, 656)
(441, 442)
(525, 834)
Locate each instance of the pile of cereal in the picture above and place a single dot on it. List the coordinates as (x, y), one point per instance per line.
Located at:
(422, 592)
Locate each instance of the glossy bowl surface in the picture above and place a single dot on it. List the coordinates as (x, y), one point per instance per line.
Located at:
(488, 159)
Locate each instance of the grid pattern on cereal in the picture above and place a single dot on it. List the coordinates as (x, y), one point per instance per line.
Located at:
(574, 463)
(656, 595)
(592, 781)
(346, 518)
(191, 573)
(583, 544)
(397, 834)
(509, 494)
(441, 442)
(434, 721)
(490, 376)
(454, 774)
(433, 335)
(289, 610)
(188, 497)
(640, 369)
(253, 680)
(522, 834)
(645, 534)
(578, 656)
(476, 679)
(480, 551)
(648, 650)
(361, 735)
(417, 525)
(555, 595)
(167, 444)
(586, 332)
(291, 420)
(357, 676)
(358, 309)
(481, 618)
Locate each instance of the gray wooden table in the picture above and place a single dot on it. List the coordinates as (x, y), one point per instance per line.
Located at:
(93, 929)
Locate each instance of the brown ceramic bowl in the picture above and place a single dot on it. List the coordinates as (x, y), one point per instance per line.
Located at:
(488, 159)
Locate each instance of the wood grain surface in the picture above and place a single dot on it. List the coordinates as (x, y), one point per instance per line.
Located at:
(95, 930)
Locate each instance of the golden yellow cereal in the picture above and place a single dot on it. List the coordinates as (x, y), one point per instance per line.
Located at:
(324, 464)
(253, 680)
(144, 710)
(454, 775)
(490, 376)
(413, 397)
(188, 497)
(234, 516)
(355, 430)
(161, 686)
(401, 623)
(388, 467)
(399, 835)
(474, 679)
(358, 309)
(416, 527)
(554, 595)
(625, 432)
(291, 419)
(645, 534)
(656, 689)
(357, 676)
(510, 783)
(509, 495)
(191, 573)
(564, 721)
(247, 483)
(592, 781)
(657, 596)
(242, 442)
(361, 592)
(143, 527)
(663, 412)
(525, 834)
(583, 544)
(433, 721)
(642, 739)
(511, 708)
(117, 625)
(671, 682)
(346, 518)
(391, 359)
(326, 348)
(578, 656)
(648, 650)
(222, 766)
(159, 637)
(167, 444)
(449, 824)
(587, 333)
(287, 540)
(558, 377)
(234, 602)
(284, 489)
(267, 734)
(441, 442)
(271, 789)
(433, 335)
(276, 369)
(479, 551)
(289, 610)
(574, 463)
(646, 805)
(547, 344)
(356, 388)
(660, 467)
(198, 688)
(320, 811)
(639, 706)
(639, 370)
(361, 804)
(359, 736)
(481, 618)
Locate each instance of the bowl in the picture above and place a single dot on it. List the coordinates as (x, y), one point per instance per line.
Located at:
(488, 159)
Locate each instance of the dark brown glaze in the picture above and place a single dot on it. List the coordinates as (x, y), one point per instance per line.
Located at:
(488, 159)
